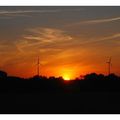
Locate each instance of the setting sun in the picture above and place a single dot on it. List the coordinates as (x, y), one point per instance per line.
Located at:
(66, 77)
(67, 73)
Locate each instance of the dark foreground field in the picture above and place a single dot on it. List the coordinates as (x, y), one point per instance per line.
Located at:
(41, 95)
(85, 102)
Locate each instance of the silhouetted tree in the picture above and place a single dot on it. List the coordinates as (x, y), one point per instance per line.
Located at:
(42, 84)
(92, 76)
(112, 76)
(3, 75)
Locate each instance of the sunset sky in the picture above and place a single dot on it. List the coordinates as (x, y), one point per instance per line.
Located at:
(70, 41)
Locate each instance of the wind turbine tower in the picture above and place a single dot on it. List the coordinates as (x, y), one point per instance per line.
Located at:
(38, 67)
(109, 66)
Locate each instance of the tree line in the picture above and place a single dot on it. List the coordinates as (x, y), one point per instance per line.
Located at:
(41, 84)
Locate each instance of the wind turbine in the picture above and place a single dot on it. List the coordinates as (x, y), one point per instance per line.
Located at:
(38, 67)
(109, 66)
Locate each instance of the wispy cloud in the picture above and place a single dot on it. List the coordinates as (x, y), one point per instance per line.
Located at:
(101, 39)
(42, 38)
(117, 35)
(5, 12)
(107, 38)
(28, 12)
(54, 38)
(23, 13)
(101, 20)
(110, 37)
(95, 21)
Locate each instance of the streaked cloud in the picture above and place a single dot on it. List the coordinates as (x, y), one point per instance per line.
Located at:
(95, 21)
(109, 38)
(13, 13)
(23, 13)
(102, 39)
(101, 20)
(5, 12)
(39, 38)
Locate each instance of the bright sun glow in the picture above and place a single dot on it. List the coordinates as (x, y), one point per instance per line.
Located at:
(66, 77)
(67, 73)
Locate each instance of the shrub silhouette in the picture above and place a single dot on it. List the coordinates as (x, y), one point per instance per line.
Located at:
(38, 84)
(3, 75)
